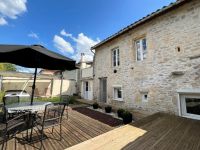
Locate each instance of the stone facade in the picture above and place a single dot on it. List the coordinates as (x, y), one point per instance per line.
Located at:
(173, 61)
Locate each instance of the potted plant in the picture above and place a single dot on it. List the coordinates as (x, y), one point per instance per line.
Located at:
(127, 117)
(120, 112)
(95, 106)
(108, 109)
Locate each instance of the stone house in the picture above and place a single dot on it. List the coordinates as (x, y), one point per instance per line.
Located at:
(154, 63)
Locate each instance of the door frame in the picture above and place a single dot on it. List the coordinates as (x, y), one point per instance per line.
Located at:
(101, 86)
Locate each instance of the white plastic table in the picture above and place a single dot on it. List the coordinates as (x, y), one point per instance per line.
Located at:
(26, 106)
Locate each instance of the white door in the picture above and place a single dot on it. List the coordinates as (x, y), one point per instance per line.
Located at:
(190, 106)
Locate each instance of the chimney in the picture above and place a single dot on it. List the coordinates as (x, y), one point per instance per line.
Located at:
(82, 57)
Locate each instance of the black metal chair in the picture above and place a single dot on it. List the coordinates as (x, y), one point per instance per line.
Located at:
(52, 117)
(9, 100)
(65, 99)
(9, 128)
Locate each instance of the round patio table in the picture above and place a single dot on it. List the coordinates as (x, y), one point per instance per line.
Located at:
(26, 106)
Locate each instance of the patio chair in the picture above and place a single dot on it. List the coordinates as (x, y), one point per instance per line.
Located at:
(65, 99)
(9, 128)
(52, 117)
(9, 100)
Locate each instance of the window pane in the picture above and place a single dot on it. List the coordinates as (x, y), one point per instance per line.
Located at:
(118, 60)
(119, 93)
(144, 46)
(138, 50)
(193, 105)
(114, 58)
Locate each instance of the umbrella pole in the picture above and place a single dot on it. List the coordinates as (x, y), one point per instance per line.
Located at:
(33, 87)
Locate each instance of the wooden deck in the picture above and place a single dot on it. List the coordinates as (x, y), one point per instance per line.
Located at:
(167, 132)
(156, 132)
(76, 129)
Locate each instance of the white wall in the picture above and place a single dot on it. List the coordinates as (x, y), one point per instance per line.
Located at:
(68, 87)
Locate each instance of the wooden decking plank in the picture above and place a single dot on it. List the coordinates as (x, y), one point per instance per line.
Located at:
(95, 127)
(154, 133)
(77, 131)
(99, 125)
(174, 137)
(72, 139)
(83, 117)
(191, 138)
(84, 127)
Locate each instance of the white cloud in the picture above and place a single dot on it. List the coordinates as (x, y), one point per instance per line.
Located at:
(3, 21)
(11, 9)
(33, 35)
(62, 45)
(63, 33)
(79, 44)
(83, 45)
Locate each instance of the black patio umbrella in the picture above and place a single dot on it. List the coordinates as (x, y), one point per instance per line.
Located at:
(35, 56)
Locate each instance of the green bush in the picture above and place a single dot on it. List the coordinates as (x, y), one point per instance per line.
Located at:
(127, 117)
(108, 109)
(120, 112)
(95, 105)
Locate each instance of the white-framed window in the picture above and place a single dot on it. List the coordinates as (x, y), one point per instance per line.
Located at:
(144, 97)
(117, 93)
(141, 49)
(115, 57)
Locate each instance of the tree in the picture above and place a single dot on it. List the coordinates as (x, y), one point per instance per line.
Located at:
(7, 67)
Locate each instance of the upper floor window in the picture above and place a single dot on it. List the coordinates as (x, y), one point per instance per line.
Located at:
(141, 49)
(115, 57)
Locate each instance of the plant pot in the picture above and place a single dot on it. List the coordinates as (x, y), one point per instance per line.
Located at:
(95, 106)
(127, 117)
(120, 112)
(108, 109)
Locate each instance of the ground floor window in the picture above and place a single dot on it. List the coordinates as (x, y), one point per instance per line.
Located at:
(117, 93)
(190, 106)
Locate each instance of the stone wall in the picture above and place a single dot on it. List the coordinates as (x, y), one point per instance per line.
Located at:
(164, 71)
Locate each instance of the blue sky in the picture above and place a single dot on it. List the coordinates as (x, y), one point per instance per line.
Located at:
(69, 27)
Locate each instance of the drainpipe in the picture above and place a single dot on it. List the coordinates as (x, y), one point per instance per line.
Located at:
(93, 65)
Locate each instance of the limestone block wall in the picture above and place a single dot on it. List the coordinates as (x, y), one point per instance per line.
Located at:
(172, 41)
